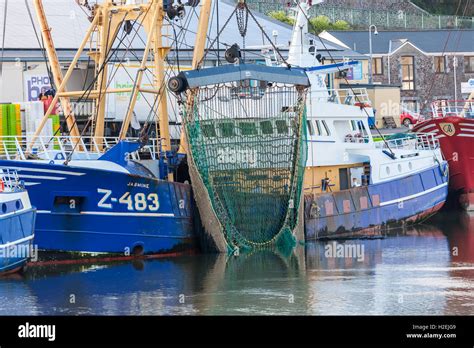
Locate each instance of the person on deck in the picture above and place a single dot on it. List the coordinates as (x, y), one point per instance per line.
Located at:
(355, 183)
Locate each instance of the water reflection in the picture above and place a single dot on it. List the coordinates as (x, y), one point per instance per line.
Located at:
(426, 270)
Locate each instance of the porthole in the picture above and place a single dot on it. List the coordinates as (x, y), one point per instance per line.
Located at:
(18, 205)
(4, 208)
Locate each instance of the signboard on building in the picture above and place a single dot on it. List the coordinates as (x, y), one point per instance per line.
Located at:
(355, 73)
(117, 103)
(467, 87)
(35, 84)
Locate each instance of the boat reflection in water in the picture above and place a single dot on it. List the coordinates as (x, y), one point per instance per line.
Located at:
(198, 284)
(416, 271)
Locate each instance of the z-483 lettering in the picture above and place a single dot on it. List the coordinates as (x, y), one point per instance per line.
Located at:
(134, 202)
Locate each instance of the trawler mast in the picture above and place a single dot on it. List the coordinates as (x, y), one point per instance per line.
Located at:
(106, 20)
(55, 67)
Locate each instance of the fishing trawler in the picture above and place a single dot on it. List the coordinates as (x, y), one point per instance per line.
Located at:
(17, 223)
(354, 186)
(452, 124)
(97, 195)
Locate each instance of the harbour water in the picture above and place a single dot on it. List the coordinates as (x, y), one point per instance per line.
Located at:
(427, 270)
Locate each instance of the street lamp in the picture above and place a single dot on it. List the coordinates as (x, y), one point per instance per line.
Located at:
(374, 28)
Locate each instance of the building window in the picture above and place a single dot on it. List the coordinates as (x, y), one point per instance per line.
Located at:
(440, 64)
(408, 73)
(377, 66)
(469, 64)
(410, 106)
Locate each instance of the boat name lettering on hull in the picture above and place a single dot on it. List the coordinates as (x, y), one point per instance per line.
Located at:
(134, 202)
(138, 184)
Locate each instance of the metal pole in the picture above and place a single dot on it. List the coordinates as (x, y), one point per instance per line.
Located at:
(370, 55)
(372, 26)
(65, 79)
(455, 65)
(199, 50)
(55, 67)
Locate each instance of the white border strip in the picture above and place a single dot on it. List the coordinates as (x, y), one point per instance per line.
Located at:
(21, 169)
(406, 198)
(427, 127)
(114, 214)
(3, 246)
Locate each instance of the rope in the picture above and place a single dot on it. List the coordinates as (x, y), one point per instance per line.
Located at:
(41, 45)
(3, 36)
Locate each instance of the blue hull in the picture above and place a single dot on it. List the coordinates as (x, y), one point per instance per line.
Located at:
(89, 210)
(16, 237)
(370, 210)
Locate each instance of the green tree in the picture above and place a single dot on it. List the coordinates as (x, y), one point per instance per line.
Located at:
(282, 17)
(319, 24)
(341, 25)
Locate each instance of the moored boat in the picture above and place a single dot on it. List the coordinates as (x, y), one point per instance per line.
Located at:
(17, 222)
(95, 195)
(106, 205)
(452, 123)
(355, 186)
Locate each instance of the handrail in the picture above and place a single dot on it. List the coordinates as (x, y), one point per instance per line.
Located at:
(446, 108)
(61, 147)
(413, 141)
(10, 180)
(346, 96)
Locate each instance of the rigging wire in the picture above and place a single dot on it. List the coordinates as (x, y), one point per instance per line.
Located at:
(3, 36)
(91, 85)
(218, 39)
(42, 47)
(345, 78)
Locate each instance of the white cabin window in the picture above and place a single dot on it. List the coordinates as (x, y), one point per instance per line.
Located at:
(227, 129)
(310, 127)
(208, 130)
(322, 129)
(354, 125)
(248, 128)
(282, 126)
(266, 127)
(326, 128)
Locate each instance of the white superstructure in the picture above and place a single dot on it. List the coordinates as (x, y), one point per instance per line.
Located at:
(337, 121)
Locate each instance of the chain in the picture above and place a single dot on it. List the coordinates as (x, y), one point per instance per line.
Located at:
(242, 15)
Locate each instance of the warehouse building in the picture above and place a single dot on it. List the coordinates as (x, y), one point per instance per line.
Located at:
(24, 72)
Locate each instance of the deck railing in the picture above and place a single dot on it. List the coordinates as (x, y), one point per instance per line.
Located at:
(346, 96)
(412, 141)
(9, 180)
(63, 147)
(446, 108)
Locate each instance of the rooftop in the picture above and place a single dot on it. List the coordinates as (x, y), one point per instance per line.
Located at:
(69, 23)
(429, 41)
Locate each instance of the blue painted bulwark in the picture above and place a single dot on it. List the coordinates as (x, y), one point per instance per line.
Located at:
(16, 231)
(371, 210)
(101, 211)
